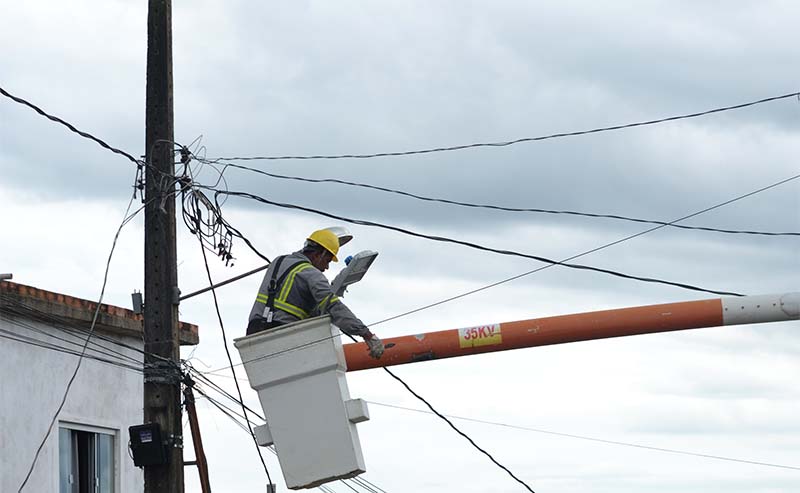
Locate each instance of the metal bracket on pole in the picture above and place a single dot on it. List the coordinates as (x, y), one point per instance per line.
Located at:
(176, 295)
(138, 302)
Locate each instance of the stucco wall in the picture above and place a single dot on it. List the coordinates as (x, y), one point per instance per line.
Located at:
(32, 383)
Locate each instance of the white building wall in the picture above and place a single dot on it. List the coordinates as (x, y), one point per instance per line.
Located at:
(32, 384)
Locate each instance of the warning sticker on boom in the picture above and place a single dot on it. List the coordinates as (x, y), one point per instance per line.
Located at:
(482, 335)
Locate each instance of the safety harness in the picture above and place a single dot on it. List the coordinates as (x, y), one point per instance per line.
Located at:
(276, 297)
(273, 300)
(272, 290)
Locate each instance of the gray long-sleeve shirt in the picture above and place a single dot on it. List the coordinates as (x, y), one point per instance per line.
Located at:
(305, 292)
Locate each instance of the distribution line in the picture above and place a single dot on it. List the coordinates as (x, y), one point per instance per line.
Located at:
(458, 430)
(600, 440)
(109, 360)
(475, 246)
(15, 307)
(68, 125)
(673, 223)
(206, 381)
(452, 426)
(515, 141)
(581, 437)
(70, 344)
(5, 334)
(587, 252)
(95, 346)
(504, 208)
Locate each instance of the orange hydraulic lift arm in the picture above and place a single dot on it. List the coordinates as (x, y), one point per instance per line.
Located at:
(577, 327)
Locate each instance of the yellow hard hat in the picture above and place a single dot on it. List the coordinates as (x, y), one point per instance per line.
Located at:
(326, 239)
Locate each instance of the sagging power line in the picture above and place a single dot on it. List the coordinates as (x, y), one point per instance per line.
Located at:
(70, 126)
(469, 244)
(514, 141)
(495, 207)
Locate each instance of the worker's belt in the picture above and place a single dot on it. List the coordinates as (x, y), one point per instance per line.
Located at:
(259, 324)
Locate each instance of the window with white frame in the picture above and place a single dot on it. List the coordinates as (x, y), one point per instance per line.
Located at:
(86, 459)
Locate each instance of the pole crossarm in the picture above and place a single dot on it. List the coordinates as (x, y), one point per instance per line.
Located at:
(577, 327)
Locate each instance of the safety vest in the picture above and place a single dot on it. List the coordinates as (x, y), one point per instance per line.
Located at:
(278, 290)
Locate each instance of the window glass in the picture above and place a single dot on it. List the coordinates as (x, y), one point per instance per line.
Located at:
(65, 477)
(85, 460)
(105, 463)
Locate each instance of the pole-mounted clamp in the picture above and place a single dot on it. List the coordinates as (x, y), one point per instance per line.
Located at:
(175, 441)
(162, 372)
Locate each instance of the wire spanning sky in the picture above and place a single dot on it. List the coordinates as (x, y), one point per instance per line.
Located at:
(262, 79)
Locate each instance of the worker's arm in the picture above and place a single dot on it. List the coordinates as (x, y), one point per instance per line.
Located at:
(327, 302)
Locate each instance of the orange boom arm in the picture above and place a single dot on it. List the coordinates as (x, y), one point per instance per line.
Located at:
(577, 327)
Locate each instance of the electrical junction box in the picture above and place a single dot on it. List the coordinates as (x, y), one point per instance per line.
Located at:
(147, 446)
(298, 371)
(357, 266)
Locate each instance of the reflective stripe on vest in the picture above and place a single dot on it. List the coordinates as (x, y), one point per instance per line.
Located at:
(280, 302)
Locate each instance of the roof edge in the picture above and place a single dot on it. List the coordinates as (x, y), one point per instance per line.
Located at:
(111, 318)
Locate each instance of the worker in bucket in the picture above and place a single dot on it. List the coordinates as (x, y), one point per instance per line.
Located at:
(294, 289)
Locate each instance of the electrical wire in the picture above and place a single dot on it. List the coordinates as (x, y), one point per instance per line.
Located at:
(68, 125)
(278, 353)
(206, 381)
(457, 430)
(587, 252)
(83, 351)
(454, 427)
(515, 141)
(673, 223)
(346, 484)
(5, 334)
(16, 308)
(593, 439)
(230, 360)
(214, 232)
(476, 246)
(507, 209)
(367, 485)
(367, 481)
(583, 437)
(96, 347)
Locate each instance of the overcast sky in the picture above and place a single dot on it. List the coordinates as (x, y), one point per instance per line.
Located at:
(312, 77)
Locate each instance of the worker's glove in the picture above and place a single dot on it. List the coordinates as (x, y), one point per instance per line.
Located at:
(375, 346)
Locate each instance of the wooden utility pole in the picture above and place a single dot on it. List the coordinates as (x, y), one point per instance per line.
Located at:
(162, 396)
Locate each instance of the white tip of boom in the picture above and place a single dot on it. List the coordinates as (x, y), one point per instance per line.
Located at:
(762, 308)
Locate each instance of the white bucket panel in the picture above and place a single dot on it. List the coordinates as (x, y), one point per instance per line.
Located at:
(298, 371)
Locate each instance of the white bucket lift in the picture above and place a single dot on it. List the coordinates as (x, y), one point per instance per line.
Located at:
(298, 371)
